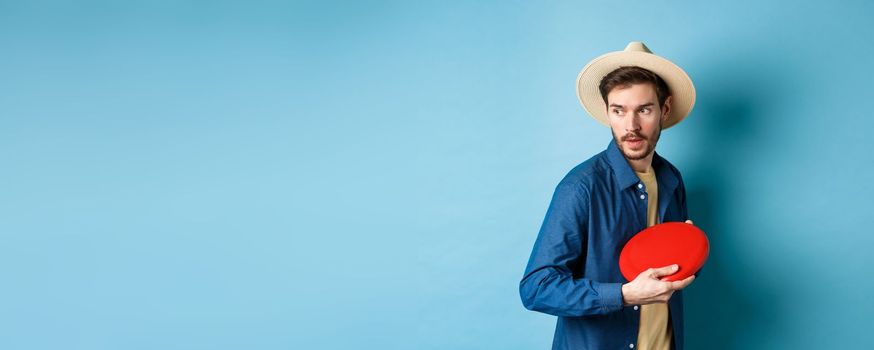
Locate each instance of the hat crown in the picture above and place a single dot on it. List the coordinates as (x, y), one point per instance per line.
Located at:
(637, 46)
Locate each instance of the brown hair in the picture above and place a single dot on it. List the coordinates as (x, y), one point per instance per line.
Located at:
(627, 75)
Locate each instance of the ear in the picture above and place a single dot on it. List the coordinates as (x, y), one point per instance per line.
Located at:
(666, 109)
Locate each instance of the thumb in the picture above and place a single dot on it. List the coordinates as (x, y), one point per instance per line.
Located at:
(665, 271)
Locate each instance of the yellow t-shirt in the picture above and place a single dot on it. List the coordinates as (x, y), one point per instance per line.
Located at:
(655, 328)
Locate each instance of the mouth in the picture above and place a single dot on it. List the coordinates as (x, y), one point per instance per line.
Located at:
(634, 141)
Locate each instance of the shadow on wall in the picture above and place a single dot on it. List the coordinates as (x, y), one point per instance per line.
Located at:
(728, 303)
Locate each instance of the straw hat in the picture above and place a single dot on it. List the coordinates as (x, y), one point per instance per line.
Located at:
(635, 54)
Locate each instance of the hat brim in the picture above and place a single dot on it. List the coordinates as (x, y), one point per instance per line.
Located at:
(679, 83)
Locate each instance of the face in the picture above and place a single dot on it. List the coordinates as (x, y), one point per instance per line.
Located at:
(636, 119)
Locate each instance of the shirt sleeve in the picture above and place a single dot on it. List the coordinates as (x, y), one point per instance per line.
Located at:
(684, 211)
(548, 284)
(681, 198)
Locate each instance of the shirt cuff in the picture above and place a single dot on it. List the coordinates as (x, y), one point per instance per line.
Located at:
(611, 296)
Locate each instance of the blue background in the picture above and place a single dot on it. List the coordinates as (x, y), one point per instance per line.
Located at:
(327, 175)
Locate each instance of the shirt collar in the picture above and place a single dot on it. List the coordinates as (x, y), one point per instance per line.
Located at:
(623, 172)
(625, 175)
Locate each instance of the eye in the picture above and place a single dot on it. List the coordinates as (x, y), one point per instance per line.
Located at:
(617, 111)
(645, 110)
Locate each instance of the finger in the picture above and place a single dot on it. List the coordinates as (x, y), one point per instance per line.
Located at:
(689, 222)
(677, 285)
(665, 271)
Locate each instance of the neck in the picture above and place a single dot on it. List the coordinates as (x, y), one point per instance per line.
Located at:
(641, 165)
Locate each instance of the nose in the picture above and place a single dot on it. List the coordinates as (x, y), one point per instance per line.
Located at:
(632, 124)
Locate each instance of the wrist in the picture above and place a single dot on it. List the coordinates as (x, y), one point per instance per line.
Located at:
(625, 301)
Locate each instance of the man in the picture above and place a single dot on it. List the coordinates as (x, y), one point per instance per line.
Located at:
(573, 271)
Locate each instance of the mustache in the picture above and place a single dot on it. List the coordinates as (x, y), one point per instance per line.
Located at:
(633, 135)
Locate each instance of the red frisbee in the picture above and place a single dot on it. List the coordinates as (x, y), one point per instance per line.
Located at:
(662, 245)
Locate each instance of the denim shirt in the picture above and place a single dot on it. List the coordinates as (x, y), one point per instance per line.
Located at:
(573, 271)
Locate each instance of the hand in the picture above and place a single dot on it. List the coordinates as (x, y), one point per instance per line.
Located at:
(689, 222)
(647, 288)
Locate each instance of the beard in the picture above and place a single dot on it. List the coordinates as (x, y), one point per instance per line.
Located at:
(649, 143)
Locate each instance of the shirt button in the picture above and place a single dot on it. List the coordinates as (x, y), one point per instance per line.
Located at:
(642, 196)
(635, 307)
(631, 346)
(639, 185)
